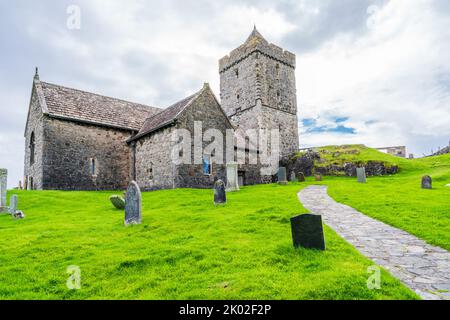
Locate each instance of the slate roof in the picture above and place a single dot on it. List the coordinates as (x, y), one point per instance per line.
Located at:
(73, 104)
(167, 116)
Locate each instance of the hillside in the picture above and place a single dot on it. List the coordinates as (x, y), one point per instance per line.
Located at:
(343, 160)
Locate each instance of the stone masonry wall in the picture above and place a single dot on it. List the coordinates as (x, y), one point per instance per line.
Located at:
(34, 172)
(154, 168)
(69, 148)
(208, 111)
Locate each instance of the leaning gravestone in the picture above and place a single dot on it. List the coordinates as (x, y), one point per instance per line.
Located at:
(220, 195)
(3, 187)
(301, 177)
(133, 204)
(282, 179)
(13, 204)
(232, 177)
(361, 174)
(426, 182)
(118, 202)
(307, 231)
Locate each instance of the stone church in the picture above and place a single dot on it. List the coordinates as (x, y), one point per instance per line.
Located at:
(76, 140)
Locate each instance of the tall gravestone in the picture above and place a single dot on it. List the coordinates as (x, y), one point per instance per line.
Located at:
(13, 204)
(3, 187)
(220, 195)
(427, 182)
(133, 204)
(282, 178)
(232, 177)
(307, 231)
(361, 174)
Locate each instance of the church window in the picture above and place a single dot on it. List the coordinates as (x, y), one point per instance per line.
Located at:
(278, 94)
(32, 148)
(236, 72)
(93, 166)
(150, 171)
(207, 167)
(238, 97)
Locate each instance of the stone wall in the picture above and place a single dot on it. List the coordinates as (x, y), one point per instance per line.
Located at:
(70, 147)
(154, 168)
(33, 172)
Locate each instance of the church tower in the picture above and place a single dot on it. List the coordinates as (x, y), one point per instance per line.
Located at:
(258, 91)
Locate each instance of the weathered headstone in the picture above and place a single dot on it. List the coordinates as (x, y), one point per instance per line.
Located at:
(220, 195)
(118, 202)
(282, 178)
(293, 177)
(3, 187)
(133, 204)
(427, 182)
(307, 231)
(318, 177)
(301, 177)
(232, 177)
(13, 204)
(361, 174)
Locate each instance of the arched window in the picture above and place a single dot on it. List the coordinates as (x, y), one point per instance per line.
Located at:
(32, 148)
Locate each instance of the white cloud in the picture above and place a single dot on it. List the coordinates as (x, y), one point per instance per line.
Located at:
(388, 76)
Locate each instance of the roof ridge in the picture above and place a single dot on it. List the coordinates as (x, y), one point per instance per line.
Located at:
(98, 95)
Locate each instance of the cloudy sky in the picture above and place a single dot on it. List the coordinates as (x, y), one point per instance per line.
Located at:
(368, 71)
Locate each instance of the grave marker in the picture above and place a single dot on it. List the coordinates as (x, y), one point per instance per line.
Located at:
(361, 174)
(427, 182)
(232, 177)
(220, 196)
(133, 204)
(282, 179)
(307, 231)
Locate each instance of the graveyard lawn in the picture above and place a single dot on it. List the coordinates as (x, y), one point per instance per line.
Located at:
(400, 201)
(186, 248)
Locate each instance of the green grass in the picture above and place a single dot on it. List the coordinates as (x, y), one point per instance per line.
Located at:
(399, 200)
(185, 249)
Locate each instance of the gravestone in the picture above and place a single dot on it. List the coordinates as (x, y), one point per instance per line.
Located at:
(426, 182)
(3, 187)
(232, 177)
(220, 195)
(133, 204)
(307, 231)
(361, 174)
(282, 179)
(301, 177)
(118, 202)
(293, 176)
(13, 204)
(318, 177)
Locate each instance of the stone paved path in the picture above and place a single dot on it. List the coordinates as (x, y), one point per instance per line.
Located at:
(422, 267)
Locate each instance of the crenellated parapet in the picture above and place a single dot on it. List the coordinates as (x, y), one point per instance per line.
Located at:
(256, 44)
